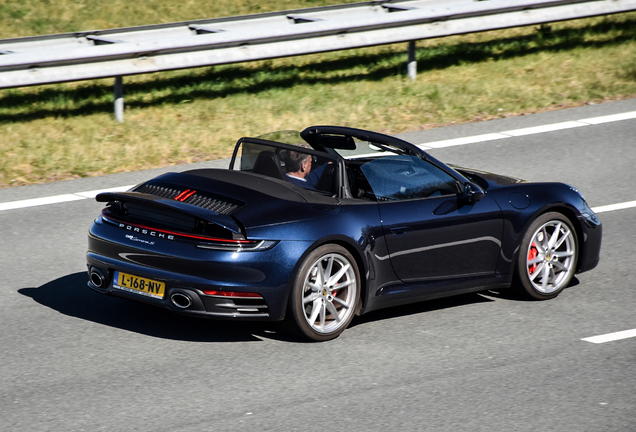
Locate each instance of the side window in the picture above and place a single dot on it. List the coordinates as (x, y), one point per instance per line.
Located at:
(247, 155)
(403, 177)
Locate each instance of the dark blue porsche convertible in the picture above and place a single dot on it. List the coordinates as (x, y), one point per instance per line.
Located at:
(319, 226)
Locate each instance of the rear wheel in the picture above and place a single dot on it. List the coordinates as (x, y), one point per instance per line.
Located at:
(325, 294)
(548, 256)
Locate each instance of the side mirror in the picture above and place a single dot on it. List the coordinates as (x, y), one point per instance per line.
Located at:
(473, 193)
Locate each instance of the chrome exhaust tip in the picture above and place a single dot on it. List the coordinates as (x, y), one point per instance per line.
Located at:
(180, 300)
(97, 278)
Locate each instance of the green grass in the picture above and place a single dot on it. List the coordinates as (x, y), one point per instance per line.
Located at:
(19, 18)
(65, 131)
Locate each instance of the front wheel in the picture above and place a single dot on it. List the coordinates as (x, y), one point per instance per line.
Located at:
(325, 293)
(547, 257)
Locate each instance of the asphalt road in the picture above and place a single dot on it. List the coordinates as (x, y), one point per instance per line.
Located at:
(71, 359)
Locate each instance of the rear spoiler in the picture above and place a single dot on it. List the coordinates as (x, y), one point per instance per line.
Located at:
(225, 221)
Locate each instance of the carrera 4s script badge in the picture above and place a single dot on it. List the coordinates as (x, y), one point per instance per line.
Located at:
(137, 239)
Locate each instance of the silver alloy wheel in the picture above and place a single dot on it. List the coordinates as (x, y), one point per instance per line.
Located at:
(329, 293)
(551, 257)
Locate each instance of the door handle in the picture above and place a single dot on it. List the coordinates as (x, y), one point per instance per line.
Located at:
(400, 230)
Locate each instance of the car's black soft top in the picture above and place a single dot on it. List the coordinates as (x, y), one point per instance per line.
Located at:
(239, 183)
(265, 200)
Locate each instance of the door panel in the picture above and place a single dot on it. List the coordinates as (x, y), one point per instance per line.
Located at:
(435, 238)
(430, 232)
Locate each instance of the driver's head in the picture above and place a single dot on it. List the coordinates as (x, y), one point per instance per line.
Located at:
(296, 163)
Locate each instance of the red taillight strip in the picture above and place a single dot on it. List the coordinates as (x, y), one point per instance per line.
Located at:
(232, 294)
(198, 237)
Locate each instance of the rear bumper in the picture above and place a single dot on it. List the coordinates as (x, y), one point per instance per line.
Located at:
(185, 295)
(188, 272)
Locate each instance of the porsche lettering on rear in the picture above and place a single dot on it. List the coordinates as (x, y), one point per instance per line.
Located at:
(146, 232)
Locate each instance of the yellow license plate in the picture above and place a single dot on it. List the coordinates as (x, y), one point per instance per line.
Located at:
(136, 284)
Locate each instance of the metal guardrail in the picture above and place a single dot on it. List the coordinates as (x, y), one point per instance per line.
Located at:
(146, 49)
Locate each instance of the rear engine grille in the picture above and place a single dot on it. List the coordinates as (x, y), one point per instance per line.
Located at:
(159, 191)
(214, 205)
(197, 198)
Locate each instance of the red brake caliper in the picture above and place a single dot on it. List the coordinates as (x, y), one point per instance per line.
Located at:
(532, 255)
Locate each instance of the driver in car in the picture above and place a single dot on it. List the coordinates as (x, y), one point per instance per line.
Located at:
(299, 170)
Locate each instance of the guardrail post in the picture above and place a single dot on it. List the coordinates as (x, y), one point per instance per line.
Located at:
(119, 99)
(412, 64)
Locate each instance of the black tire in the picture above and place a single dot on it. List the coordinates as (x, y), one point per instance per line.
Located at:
(321, 308)
(547, 257)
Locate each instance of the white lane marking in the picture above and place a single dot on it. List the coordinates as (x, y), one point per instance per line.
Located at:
(545, 128)
(426, 146)
(610, 118)
(39, 201)
(93, 193)
(528, 131)
(463, 141)
(58, 198)
(611, 336)
(612, 207)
